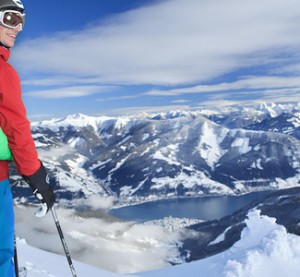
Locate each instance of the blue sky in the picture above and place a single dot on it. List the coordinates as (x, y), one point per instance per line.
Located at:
(131, 56)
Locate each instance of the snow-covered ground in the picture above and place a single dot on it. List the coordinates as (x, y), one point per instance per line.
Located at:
(40, 263)
(265, 249)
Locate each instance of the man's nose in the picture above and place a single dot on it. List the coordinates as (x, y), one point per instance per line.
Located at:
(19, 27)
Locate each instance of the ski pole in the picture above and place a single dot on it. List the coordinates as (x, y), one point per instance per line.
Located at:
(63, 241)
(16, 263)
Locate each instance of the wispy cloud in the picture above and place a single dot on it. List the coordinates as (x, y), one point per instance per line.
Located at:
(171, 42)
(250, 83)
(56, 80)
(138, 110)
(67, 92)
(119, 97)
(180, 101)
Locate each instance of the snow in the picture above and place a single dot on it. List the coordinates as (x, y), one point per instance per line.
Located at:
(124, 140)
(242, 144)
(167, 154)
(99, 164)
(257, 164)
(192, 180)
(128, 190)
(76, 120)
(80, 181)
(145, 136)
(265, 249)
(40, 263)
(209, 147)
(118, 165)
(121, 122)
(221, 237)
(287, 183)
(295, 120)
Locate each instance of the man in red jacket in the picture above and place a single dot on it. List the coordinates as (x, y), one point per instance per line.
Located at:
(16, 127)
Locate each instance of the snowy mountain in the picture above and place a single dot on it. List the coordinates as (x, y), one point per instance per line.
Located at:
(273, 117)
(264, 249)
(172, 154)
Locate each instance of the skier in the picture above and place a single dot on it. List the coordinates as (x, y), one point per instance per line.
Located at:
(16, 127)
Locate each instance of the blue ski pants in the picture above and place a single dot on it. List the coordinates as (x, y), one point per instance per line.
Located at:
(6, 231)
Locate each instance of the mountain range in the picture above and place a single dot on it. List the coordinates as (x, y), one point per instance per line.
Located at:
(231, 150)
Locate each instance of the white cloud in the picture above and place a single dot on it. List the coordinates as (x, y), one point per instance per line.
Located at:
(97, 202)
(180, 101)
(139, 110)
(72, 91)
(110, 244)
(171, 42)
(119, 97)
(251, 83)
(268, 89)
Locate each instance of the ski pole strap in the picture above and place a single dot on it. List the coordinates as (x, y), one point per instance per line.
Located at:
(64, 243)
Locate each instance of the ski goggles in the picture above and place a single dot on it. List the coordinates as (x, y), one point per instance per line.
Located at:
(12, 19)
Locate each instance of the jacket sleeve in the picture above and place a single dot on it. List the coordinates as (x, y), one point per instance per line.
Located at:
(15, 124)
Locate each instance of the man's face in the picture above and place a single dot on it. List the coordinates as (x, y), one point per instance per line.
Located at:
(8, 36)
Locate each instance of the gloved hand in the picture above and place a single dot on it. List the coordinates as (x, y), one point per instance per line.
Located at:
(39, 182)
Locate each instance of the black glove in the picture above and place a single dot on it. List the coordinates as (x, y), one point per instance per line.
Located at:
(39, 182)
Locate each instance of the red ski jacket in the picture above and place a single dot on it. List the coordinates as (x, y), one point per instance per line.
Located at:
(14, 122)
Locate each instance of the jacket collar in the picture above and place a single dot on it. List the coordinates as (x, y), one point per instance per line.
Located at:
(4, 52)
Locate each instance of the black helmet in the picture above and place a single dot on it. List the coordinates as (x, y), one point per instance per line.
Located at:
(12, 5)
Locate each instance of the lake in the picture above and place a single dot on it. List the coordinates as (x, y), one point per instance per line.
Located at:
(205, 208)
